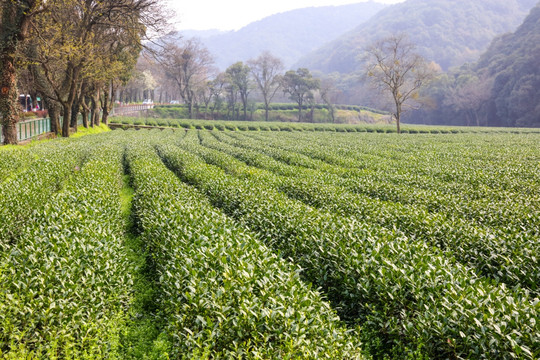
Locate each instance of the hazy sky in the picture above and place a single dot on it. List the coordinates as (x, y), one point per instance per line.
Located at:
(234, 14)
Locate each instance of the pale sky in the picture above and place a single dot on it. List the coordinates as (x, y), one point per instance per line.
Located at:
(235, 14)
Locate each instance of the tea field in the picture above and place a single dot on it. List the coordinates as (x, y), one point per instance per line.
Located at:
(197, 244)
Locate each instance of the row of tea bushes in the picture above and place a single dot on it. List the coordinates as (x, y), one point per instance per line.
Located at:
(26, 190)
(270, 126)
(222, 125)
(406, 295)
(11, 160)
(222, 293)
(65, 284)
(492, 186)
(510, 257)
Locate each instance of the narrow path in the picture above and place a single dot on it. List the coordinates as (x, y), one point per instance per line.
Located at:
(142, 339)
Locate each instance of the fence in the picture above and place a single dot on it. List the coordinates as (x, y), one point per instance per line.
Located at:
(130, 109)
(34, 127)
(30, 128)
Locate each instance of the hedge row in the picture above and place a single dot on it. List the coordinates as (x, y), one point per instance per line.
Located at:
(485, 184)
(222, 125)
(509, 257)
(64, 285)
(407, 295)
(31, 185)
(223, 294)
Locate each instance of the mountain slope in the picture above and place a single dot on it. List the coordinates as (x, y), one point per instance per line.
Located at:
(513, 61)
(289, 35)
(449, 32)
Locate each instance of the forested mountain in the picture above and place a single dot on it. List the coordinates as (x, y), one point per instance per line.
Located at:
(288, 35)
(513, 61)
(449, 32)
(501, 89)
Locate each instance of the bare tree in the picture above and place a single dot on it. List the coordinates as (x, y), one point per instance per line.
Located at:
(216, 87)
(471, 95)
(188, 65)
(329, 95)
(266, 70)
(238, 75)
(397, 70)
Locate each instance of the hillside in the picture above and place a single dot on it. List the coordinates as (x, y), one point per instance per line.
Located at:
(501, 89)
(449, 32)
(289, 35)
(513, 61)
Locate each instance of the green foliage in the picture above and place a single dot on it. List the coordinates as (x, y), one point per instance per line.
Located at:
(407, 294)
(488, 246)
(65, 282)
(223, 125)
(221, 292)
(26, 188)
(424, 245)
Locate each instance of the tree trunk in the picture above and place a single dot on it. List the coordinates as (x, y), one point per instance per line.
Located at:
(65, 120)
(95, 108)
(9, 105)
(398, 114)
(105, 105)
(14, 27)
(54, 114)
(68, 105)
(108, 103)
(85, 111)
(75, 113)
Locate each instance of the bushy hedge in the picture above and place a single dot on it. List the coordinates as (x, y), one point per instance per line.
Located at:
(65, 284)
(407, 295)
(222, 293)
(506, 256)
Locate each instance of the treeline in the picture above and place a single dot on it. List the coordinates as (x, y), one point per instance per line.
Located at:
(282, 112)
(183, 71)
(501, 89)
(73, 54)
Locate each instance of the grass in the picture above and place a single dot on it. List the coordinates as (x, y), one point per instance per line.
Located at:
(82, 131)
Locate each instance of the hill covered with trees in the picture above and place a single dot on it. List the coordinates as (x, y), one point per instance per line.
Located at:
(513, 63)
(447, 32)
(501, 89)
(289, 35)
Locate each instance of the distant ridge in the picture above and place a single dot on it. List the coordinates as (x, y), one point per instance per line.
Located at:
(449, 32)
(288, 35)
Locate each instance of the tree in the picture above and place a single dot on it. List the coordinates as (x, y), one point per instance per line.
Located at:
(188, 65)
(216, 89)
(81, 40)
(329, 95)
(238, 74)
(470, 95)
(300, 85)
(395, 69)
(266, 71)
(15, 23)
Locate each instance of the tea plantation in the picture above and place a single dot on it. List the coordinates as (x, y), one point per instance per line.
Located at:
(196, 244)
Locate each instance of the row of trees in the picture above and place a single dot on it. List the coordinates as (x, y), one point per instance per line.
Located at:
(76, 53)
(185, 68)
(180, 69)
